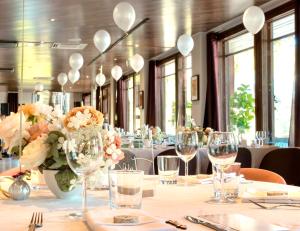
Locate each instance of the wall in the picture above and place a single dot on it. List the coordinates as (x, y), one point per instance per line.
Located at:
(199, 67)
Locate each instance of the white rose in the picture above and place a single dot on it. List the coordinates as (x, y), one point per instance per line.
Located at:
(35, 153)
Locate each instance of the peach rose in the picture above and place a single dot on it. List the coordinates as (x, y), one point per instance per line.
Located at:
(29, 110)
(38, 129)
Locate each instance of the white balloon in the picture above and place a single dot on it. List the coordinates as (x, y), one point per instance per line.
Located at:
(124, 15)
(76, 61)
(62, 79)
(73, 76)
(116, 72)
(38, 87)
(100, 79)
(136, 62)
(185, 44)
(102, 40)
(253, 19)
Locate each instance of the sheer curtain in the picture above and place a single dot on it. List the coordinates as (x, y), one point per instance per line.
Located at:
(212, 114)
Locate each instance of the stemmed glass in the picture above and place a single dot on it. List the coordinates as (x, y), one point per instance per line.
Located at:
(186, 146)
(261, 136)
(222, 151)
(84, 156)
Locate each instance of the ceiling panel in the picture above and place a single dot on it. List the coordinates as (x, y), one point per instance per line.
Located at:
(78, 20)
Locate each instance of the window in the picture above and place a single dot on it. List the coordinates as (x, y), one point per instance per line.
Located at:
(168, 74)
(130, 104)
(185, 73)
(283, 75)
(239, 71)
(137, 110)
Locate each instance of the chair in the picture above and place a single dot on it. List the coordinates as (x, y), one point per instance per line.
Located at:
(172, 152)
(128, 162)
(262, 175)
(243, 156)
(285, 162)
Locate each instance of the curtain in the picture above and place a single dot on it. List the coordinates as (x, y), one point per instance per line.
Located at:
(121, 104)
(98, 99)
(153, 102)
(13, 102)
(212, 114)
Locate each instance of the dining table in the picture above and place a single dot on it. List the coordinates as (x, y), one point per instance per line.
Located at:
(169, 202)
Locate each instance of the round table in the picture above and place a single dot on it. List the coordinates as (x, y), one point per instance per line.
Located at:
(169, 202)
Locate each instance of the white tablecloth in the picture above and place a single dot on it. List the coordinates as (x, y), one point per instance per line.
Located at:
(170, 202)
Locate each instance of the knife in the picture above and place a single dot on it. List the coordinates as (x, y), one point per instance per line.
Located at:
(205, 223)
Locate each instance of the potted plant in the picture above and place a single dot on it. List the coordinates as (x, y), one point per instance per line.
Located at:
(242, 109)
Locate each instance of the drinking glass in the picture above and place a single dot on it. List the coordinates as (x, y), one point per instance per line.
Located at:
(186, 146)
(261, 136)
(84, 156)
(168, 169)
(222, 151)
(126, 188)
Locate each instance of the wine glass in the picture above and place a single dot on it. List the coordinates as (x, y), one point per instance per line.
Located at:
(222, 151)
(84, 156)
(186, 146)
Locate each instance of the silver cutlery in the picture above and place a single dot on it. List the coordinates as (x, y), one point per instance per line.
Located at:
(36, 221)
(274, 206)
(207, 224)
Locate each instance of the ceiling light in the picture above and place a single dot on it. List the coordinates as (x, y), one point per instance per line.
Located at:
(115, 59)
(87, 76)
(137, 45)
(52, 19)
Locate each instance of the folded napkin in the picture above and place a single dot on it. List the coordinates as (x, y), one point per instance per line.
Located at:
(272, 196)
(101, 219)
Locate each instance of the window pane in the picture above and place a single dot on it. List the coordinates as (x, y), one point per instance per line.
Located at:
(169, 107)
(283, 77)
(239, 43)
(130, 104)
(169, 68)
(283, 26)
(240, 72)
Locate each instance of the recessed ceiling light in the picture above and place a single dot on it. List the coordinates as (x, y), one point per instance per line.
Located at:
(87, 76)
(115, 59)
(137, 45)
(52, 19)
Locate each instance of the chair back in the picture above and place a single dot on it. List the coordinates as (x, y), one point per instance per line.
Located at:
(262, 175)
(128, 162)
(172, 152)
(285, 162)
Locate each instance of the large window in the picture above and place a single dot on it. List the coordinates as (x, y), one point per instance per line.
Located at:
(185, 74)
(130, 104)
(239, 72)
(283, 75)
(168, 71)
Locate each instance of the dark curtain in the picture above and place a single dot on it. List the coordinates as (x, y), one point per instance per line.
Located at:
(13, 101)
(152, 90)
(121, 104)
(295, 122)
(211, 115)
(98, 99)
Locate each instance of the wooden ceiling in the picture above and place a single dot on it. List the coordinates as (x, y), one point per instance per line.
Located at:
(76, 21)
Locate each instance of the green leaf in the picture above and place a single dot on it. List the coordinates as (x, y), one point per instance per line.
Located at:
(64, 178)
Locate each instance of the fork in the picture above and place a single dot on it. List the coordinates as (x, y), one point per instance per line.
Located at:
(36, 221)
(274, 206)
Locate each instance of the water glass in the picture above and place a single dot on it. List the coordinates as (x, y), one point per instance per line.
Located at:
(125, 188)
(168, 169)
(231, 181)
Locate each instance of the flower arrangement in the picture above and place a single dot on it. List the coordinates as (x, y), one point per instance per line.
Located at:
(44, 131)
(157, 134)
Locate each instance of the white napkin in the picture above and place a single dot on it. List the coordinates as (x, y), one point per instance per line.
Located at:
(95, 220)
(275, 196)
